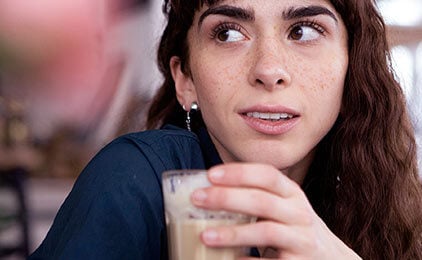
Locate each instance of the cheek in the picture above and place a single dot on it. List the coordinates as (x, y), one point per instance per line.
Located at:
(215, 81)
(322, 89)
(334, 78)
(327, 77)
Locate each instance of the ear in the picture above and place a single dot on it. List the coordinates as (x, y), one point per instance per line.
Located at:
(185, 89)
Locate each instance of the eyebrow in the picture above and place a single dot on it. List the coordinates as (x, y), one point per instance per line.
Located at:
(249, 15)
(230, 11)
(306, 11)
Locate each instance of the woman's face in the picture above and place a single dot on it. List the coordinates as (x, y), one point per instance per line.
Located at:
(268, 76)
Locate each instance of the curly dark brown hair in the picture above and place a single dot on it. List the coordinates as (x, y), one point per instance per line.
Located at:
(364, 180)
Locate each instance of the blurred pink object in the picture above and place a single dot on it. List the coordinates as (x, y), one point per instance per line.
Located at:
(45, 28)
(57, 57)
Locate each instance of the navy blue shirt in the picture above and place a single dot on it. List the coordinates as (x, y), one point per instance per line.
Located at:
(115, 209)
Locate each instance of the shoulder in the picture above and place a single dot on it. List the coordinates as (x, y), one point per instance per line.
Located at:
(118, 194)
(167, 136)
(170, 147)
(132, 164)
(148, 151)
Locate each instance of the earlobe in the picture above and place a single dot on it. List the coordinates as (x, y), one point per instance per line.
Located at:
(185, 89)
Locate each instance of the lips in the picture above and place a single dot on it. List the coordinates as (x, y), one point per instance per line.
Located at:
(270, 120)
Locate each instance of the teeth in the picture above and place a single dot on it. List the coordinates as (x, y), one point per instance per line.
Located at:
(269, 116)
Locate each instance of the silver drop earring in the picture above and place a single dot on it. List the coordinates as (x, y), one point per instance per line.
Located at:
(193, 108)
(338, 182)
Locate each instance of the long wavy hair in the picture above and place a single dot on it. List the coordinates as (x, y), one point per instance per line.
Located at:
(364, 180)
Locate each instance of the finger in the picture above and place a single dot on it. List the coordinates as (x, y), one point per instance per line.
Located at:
(260, 234)
(260, 176)
(254, 202)
(276, 255)
(254, 258)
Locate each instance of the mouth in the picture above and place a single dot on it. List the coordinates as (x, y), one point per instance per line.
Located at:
(272, 117)
(270, 120)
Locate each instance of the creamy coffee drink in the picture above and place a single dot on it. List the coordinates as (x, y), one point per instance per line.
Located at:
(184, 241)
(185, 222)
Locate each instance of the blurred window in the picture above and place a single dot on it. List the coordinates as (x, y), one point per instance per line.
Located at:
(404, 17)
(401, 12)
(403, 65)
(419, 64)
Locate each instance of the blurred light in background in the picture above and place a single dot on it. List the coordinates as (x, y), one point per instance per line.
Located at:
(402, 59)
(403, 12)
(404, 19)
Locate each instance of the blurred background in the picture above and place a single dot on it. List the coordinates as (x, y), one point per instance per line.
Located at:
(75, 74)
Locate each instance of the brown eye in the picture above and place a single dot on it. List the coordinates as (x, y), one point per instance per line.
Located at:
(306, 32)
(296, 33)
(223, 35)
(228, 32)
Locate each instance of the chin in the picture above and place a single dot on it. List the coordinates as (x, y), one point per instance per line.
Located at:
(293, 165)
(278, 162)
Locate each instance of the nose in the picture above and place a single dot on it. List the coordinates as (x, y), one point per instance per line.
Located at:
(269, 68)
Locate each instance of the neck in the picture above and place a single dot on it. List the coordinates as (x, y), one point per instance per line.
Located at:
(298, 171)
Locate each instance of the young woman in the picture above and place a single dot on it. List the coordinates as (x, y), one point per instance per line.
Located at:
(300, 121)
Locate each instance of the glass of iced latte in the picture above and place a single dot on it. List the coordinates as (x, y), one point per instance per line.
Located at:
(185, 222)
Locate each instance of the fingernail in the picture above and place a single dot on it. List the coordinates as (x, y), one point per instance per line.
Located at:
(199, 195)
(216, 175)
(210, 235)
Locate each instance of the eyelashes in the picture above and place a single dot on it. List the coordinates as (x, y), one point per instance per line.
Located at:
(306, 31)
(309, 23)
(223, 29)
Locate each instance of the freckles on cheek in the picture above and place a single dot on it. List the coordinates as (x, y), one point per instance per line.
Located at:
(209, 88)
(227, 78)
(329, 72)
(315, 83)
(328, 84)
(322, 87)
(329, 77)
